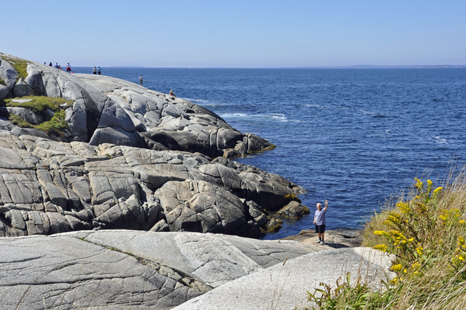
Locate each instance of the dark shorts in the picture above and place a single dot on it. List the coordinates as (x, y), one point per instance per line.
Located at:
(320, 229)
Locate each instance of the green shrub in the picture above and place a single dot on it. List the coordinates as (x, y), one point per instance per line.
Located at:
(56, 125)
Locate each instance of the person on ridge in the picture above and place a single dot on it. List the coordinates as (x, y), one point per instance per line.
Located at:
(140, 79)
(50, 64)
(319, 221)
(98, 70)
(94, 70)
(68, 68)
(56, 65)
(172, 93)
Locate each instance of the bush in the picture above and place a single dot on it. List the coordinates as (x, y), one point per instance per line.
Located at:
(425, 231)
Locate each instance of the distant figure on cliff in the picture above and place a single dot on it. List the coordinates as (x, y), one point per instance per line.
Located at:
(68, 68)
(56, 65)
(50, 64)
(140, 79)
(319, 221)
(94, 70)
(98, 70)
(172, 93)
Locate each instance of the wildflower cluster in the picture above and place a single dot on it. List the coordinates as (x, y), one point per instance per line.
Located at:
(408, 231)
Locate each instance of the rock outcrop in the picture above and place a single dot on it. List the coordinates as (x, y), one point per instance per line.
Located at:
(110, 110)
(121, 269)
(286, 285)
(127, 269)
(50, 187)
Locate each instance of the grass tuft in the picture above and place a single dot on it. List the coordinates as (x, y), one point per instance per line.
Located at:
(39, 104)
(19, 65)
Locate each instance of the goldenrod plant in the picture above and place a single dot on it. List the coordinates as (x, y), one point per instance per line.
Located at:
(425, 231)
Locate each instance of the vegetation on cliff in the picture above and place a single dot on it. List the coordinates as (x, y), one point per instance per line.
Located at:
(20, 66)
(39, 104)
(425, 232)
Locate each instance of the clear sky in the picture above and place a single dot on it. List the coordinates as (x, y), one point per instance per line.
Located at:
(235, 33)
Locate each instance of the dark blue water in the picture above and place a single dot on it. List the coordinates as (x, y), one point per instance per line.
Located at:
(353, 136)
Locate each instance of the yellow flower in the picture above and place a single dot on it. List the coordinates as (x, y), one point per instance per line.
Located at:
(437, 190)
(382, 247)
(416, 265)
(460, 240)
(460, 258)
(404, 207)
(411, 239)
(398, 235)
(429, 185)
(381, 233)
(462, 222)
(419, 250)
(405, 271)
(419, 184)
(396, 267)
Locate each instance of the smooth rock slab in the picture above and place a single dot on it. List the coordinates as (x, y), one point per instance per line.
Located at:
(285, 286)
(215, 259)
(67, 273)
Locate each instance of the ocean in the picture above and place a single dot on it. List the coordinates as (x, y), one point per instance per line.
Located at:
(356, 137)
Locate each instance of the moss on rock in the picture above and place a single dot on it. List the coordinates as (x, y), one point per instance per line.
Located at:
(38, 104)
(20, 66)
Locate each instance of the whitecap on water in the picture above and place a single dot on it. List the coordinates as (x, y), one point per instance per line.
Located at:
(440, 140)
(275, 116)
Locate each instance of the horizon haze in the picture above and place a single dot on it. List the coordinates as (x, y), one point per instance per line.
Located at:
(240, 34)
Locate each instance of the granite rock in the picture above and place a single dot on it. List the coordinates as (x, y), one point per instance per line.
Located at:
(110, 110)
(74, 186)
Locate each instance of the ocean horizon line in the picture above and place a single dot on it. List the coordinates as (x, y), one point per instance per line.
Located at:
(298, 67)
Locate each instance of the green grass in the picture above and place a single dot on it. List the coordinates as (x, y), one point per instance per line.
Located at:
(18, 121)
(2, 82)
(19, 65)
(39, 104)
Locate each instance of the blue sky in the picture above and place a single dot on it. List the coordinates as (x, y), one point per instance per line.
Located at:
(220, 33)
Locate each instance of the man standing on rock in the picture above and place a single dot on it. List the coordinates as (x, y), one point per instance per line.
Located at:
(140, 79)
(319, 221)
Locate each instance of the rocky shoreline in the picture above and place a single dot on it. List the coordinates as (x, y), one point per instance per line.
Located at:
(125, 157)
(113, 196)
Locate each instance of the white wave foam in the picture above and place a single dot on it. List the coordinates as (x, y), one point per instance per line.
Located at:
(273, 116)
(440, 140)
